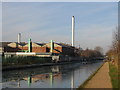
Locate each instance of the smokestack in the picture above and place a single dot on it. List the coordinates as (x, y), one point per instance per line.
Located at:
(19, 37)
(52, 46)
(29, 45)
(73, 24)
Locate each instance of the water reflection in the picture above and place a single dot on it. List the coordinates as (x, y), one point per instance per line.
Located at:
(59, 76)
(42, 77)
(72, 80)
(18, 82)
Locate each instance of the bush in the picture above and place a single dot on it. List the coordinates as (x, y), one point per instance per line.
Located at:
(25, 60)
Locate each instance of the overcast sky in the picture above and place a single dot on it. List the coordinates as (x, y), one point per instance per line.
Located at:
(42, 22)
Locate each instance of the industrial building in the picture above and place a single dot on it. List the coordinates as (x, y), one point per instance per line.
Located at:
(52, 47)
(37, 48)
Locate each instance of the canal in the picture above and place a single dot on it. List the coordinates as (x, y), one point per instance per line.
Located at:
(58, 76)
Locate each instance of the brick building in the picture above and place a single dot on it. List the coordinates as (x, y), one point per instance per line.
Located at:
(39, 48)
(60, 48)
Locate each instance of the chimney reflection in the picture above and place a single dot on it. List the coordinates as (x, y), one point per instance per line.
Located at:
(29, 80)
(72, 80)
(53, 75)
(51, 79)
(18, 82)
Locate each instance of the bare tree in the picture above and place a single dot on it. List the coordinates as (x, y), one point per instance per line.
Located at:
(99, 49)
(115, 50)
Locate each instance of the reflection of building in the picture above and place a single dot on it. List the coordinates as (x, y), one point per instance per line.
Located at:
(37, 48)
(43, 77)
(55, 69)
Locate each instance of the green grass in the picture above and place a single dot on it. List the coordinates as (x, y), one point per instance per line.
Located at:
(113, 72)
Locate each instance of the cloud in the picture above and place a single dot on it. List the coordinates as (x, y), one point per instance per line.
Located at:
(45, 21)
(95, 35)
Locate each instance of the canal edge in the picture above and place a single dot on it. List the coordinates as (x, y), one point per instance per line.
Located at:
(89, 78)
(33, 66)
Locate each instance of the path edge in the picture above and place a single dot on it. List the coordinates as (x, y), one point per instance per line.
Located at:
(90, 77)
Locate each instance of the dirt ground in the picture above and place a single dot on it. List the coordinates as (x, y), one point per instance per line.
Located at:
(101, 79)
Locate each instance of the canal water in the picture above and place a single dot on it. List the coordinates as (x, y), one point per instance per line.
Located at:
(59, 76)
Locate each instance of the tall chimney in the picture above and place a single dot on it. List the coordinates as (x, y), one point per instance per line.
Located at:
(51, 46)
(29, 45)
(19, 37)
(73, 24)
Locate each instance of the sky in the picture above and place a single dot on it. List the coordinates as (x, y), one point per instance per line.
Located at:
(45, 21)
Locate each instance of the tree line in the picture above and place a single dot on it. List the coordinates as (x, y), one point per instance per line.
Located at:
(113, 53)
(89, 53)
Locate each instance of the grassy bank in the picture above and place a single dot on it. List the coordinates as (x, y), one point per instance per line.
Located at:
(24, 60)
(113, 72)
(90, 77)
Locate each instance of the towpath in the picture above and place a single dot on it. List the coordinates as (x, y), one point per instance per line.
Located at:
(101, 79)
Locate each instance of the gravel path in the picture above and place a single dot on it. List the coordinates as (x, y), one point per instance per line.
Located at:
(101, 79)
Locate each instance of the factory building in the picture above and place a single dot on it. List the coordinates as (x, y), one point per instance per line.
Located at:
(60, 48)
(13, 47)
(52, 47)
(4, 46)
(35, 47)
(57, 48)
(23, 47)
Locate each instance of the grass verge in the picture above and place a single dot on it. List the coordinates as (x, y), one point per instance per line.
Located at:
(113, 72)
(90, 77)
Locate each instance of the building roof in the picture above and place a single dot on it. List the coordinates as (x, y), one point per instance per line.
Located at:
(41, 44)
(58, 45)
(22, 43)
(35, 44)
(3, 44)
(64, 45)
